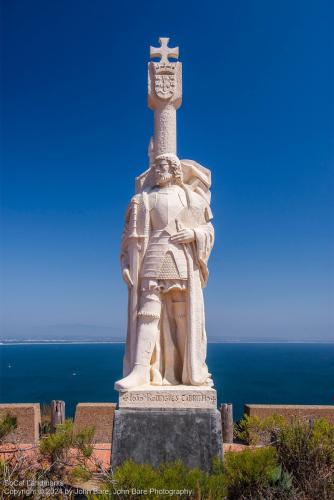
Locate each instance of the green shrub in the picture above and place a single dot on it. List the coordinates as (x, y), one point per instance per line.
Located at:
(80, 474)
(255, 430)
(83, 441)
(56, 447)
(131, 477)
(306, 451)
(7, 425)
(249, 474)
(256, 474)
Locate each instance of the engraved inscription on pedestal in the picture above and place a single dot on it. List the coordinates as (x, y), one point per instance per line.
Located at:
(169, 397)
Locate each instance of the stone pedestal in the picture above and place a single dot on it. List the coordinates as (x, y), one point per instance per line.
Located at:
(165, 424)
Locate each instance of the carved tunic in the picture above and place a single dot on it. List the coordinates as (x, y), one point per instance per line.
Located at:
(163, 258)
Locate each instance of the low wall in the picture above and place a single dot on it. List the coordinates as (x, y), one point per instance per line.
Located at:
(98, 415)
(302, 412)
(28, 422)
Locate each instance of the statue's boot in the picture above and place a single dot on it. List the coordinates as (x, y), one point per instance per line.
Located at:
(140, 375)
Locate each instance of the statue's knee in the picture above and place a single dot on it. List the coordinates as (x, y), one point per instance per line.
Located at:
(150, 307)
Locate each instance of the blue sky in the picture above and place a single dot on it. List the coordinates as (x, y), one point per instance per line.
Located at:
(258, 110)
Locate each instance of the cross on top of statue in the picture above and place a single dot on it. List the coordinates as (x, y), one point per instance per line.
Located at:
(164, 52)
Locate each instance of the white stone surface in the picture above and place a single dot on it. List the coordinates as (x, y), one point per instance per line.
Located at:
(166, 243)
(179, 396)
(164, 52)
(164, 96)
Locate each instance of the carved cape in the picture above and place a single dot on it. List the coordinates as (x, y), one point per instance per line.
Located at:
(197, 181)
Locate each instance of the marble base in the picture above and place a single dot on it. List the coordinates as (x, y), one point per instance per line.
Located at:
(154, 436)
(169, 396)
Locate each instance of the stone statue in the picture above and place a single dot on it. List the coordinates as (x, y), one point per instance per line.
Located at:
(166, 243)
(167, 407)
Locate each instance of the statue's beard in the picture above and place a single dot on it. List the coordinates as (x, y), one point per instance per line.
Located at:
(164, 178)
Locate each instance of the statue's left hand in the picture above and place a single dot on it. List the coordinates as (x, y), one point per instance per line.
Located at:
(184, 236)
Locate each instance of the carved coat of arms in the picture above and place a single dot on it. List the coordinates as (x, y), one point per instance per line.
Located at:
(164, 86)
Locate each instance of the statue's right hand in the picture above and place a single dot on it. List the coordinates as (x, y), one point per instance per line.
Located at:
(126, 277)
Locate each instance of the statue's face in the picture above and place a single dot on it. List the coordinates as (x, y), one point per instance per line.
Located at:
(163, 174)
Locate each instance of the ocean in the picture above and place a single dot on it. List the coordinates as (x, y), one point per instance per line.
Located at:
(243, 373)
